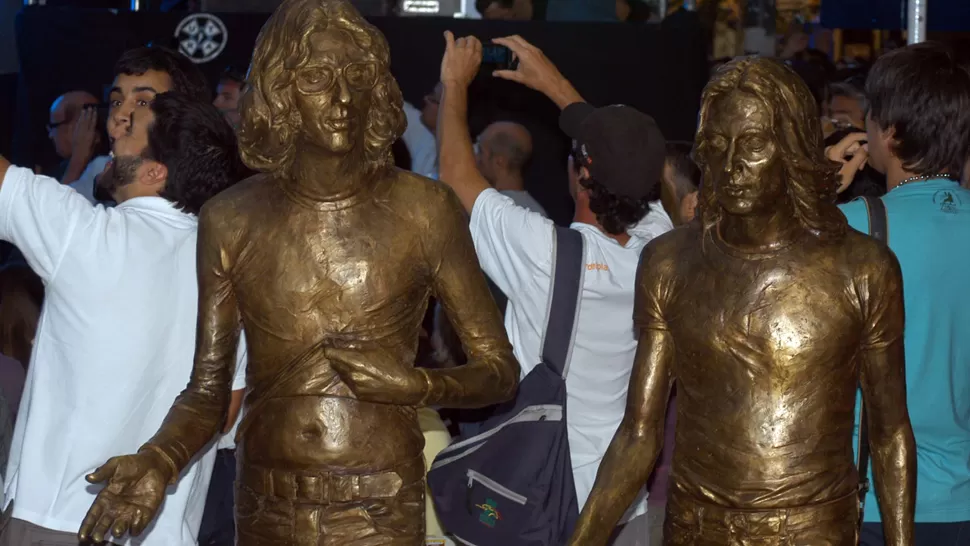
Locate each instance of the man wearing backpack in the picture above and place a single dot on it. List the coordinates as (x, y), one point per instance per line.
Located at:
(918, 129)
(621, 153)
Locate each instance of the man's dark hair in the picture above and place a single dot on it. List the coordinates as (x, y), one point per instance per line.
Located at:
(233, 74)
(615, 213)
(923, 94)
(197, 146)
(688, 175)
(187, 78)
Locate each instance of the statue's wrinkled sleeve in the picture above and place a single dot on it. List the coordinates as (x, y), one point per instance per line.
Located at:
(492, 373)
(199, 412)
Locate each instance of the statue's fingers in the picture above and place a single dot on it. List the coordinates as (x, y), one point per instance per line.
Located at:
(121, 525)
(90, 520)
(139, 522)
(103, 472)
(101, 528)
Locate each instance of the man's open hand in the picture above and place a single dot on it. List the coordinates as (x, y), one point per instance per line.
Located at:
(378, 376)
(463, 57)
(127, 504)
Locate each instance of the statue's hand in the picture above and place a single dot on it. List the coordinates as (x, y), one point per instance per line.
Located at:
(135, 490)
(378, 376)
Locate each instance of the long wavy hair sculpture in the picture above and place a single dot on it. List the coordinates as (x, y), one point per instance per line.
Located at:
(270, 122)
(809, 176)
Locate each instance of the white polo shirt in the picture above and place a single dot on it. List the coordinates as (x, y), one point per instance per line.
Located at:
(114, 347)
(515, 246)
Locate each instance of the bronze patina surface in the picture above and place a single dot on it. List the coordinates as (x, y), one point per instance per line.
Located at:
(768, 312)
(328, 258)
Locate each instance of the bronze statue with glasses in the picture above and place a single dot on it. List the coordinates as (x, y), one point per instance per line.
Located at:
(328, 258)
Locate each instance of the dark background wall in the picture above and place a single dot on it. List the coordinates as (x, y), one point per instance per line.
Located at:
(660, 69)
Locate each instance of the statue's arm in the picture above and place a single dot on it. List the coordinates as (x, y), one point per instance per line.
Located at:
(637, 443)
(200, 411)
(491, 374)
(883, 380)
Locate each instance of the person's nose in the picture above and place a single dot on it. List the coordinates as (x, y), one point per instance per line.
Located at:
(730, 157)
(343, 90)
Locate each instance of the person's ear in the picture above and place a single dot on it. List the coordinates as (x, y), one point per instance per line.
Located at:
(155, 173)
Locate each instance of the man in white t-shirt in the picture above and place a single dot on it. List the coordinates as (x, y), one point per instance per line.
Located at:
(116, 337)
(621, 152)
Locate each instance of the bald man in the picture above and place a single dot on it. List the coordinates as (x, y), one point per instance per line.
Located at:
(502, 151)
(72, 127)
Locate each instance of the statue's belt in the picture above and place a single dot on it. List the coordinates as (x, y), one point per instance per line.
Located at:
(768, 521)
(329, 487)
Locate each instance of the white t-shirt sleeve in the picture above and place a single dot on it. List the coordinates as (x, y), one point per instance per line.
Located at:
(512, 242)
(40, 216)
(242, 356)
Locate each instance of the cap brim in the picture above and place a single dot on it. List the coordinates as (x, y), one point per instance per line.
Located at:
(572, 118)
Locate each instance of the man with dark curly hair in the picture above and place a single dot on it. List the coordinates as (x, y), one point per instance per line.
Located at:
(116, 334)
(328, 258)
(617, 164)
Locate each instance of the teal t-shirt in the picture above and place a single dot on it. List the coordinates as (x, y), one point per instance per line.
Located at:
(929, 230)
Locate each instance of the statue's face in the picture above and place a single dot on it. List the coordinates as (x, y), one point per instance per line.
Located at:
(743, 158)
(332, 92)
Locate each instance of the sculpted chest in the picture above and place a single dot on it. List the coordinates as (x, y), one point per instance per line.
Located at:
(764, 316)
(341, 271)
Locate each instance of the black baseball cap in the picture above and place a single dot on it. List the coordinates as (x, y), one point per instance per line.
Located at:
(621, 146)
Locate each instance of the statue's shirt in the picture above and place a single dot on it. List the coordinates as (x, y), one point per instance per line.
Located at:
(765, 361)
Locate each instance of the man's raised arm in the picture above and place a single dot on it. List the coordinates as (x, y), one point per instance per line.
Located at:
(637, 442)
(883, 379)
(137, 483)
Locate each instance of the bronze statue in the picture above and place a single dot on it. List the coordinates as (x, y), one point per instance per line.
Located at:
(329, 258)
(768, 313)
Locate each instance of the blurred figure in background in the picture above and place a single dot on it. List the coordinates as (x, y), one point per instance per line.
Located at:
(419, 134)
(232, 83)
(502, 152)
(506, 10)
(73, 128)
(845, 105)
(680, 183)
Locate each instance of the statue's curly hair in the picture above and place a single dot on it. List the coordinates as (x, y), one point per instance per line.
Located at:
(811, 178)
(270, 122)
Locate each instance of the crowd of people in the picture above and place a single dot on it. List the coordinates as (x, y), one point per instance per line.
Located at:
(99, 293)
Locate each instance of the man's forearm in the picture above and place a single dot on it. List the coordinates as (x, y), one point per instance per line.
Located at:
(456, 158)
(480, 382)
(563, 94)
(624, 470)
(894, 470)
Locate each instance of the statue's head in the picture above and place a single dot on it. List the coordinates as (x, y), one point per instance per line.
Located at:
(759, 145)
(320, 77)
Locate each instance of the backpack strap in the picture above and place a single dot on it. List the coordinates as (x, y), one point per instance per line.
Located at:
(564, 295)
(878, 229)
(878, 222)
